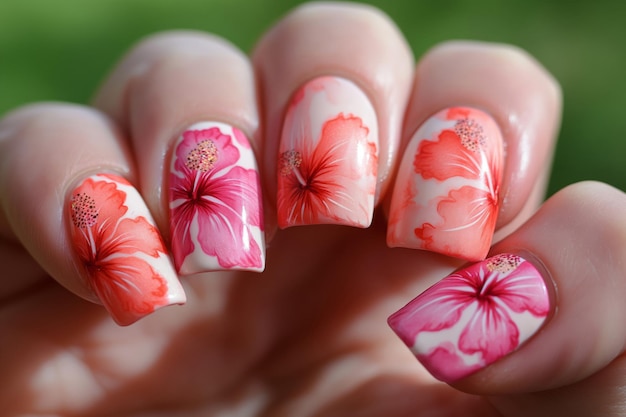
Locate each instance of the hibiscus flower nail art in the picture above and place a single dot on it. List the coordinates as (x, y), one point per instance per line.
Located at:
(328, 156)
(216, 218)
(121, 249)
(474, 316)
(446, 195)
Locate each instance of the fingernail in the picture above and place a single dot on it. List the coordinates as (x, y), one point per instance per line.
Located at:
(121, 249)
(216, 217)
(446, 195)
(328, 156)
(474, 316)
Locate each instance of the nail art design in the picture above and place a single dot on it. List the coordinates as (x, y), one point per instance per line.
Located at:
(216, 217)
(446, 194)
(474, 316)
(120, 248)
(328, 156)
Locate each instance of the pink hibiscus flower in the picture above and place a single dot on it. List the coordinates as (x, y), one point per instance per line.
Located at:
(209, 187)
(474, 316)
(316, 184)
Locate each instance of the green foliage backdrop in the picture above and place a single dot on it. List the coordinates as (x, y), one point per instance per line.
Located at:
(61, 50)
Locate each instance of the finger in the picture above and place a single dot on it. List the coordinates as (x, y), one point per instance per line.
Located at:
(479, 134)
(189, 103)
(66, 196)
(334, 80)
(541, 318)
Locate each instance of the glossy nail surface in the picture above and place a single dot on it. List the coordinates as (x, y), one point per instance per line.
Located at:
(446, 194)
(216, 218)
(474, 316)
(328, 156)
(121, 249)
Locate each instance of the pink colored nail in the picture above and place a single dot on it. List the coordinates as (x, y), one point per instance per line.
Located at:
(328, 156)
(121, 249)
(216, 217)
(474, 316)
(446, 194)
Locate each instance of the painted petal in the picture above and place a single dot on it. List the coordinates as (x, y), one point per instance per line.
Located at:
(468, 220)
(445, 364)
(129, 287)
(136, 235)
(490, 332)
(403, 212)
(437, 308)
(446, 158)
(231, 205)
(181, 231)
(227, 153)
(455, 113)
(342, 156)
(523, 289)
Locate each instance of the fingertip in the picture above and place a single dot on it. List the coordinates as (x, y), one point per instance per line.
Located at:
(189, 100)
(479, 134)
(82, 224)
(293, 60)
(506, 82)
(574, 243)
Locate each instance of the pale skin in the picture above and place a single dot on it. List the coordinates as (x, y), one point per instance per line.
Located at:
(308, 337)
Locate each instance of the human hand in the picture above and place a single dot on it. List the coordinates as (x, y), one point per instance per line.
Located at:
(307, 336)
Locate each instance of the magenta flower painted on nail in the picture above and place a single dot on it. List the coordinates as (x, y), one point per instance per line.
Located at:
(215, 208)
(474, 317)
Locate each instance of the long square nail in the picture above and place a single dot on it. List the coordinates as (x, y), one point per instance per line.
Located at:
(120, 249)
(474, 316)
(328, 156)
(216, 211)
(446, 196)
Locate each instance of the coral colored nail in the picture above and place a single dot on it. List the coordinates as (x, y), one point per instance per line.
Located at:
(328, 156)
(216, 218)
(446, 195)
(121, 249)
(474, 316)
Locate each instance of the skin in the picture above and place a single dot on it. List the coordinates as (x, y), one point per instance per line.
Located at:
(308, 336)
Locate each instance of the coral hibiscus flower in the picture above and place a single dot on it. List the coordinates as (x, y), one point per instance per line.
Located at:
(469, 213)
(121, 251)
(317, 181)
(446, 197)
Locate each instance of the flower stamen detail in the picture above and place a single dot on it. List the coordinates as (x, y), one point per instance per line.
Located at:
(83, 211)
(290, 162)
(471, 134)
(203, 157)
(503, 263)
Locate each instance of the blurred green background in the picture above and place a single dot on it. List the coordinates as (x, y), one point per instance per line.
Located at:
(61, 50)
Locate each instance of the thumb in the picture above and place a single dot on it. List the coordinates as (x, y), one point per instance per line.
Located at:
(546, 318)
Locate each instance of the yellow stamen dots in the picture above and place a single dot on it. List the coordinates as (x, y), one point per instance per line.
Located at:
(503, 263)
(203, 157)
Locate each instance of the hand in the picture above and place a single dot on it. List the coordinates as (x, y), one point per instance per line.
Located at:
(307, 336)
